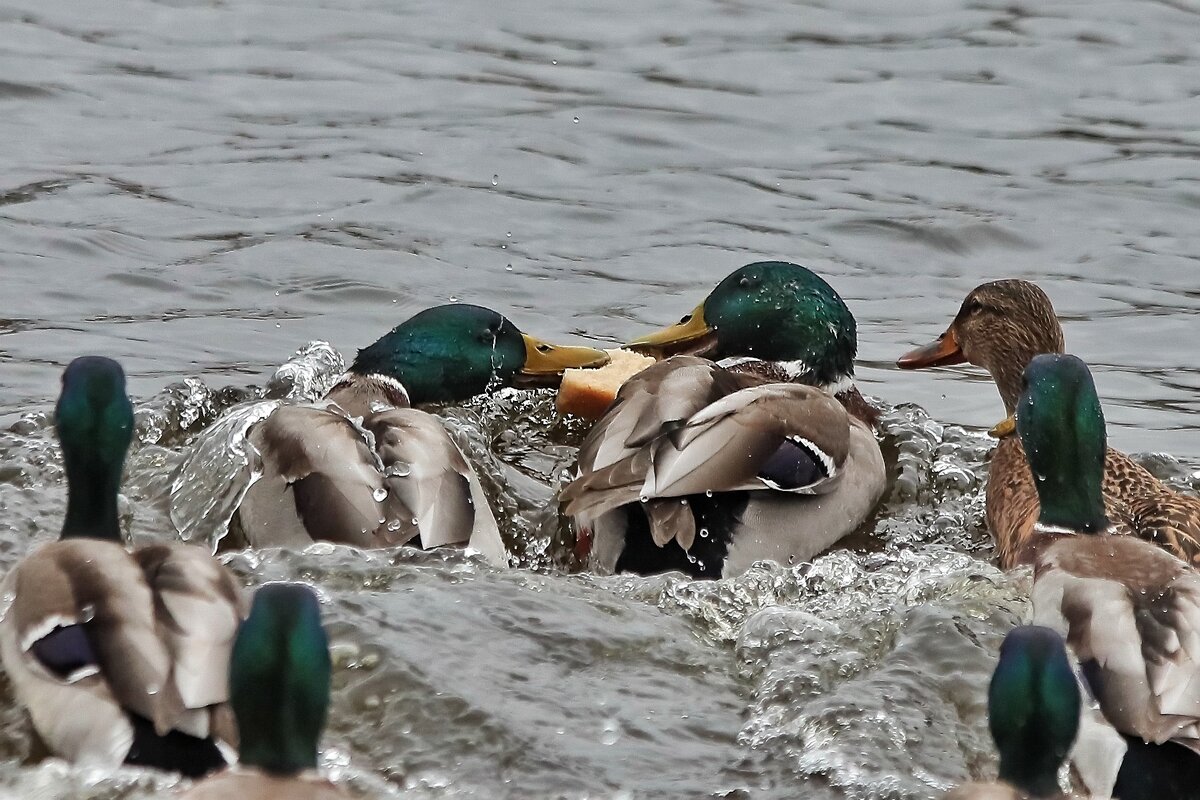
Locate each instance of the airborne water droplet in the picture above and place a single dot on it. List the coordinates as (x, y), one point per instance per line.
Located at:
(495, 180)
(575, 120)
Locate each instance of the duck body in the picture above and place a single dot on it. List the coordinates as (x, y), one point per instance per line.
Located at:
(1128, 610)
(706, 467)
(119, 656)
(1002, 326)
(364, 468)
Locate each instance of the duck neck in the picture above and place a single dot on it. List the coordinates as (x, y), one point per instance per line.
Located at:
(91, 500)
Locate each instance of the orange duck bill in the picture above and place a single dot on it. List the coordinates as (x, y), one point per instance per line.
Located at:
(941, 352)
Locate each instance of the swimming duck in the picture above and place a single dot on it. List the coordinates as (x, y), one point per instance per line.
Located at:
(279, 677)
(1000, 327)
(749, 442)
(361, 467)
(1129, 610)
(1033, 713)
(118, 655)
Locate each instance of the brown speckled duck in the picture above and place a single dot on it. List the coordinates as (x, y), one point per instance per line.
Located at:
(1001, 326)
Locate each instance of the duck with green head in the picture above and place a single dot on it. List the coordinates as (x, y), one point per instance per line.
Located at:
(118, 655)
(279, 677)
(1001, 326)
(1129, 610)
(1033, 713)
(748, 442)
(362, 467)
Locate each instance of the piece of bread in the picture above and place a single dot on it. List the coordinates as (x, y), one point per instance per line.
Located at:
(587, 392)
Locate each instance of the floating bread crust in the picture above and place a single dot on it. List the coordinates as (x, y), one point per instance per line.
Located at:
(587, 392)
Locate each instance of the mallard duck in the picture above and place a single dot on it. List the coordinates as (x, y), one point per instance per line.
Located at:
(118, 655)
(762, 449)
(1129, 611)
(1033, 713)
(362, 468)
(1000, 327)
(279, 677)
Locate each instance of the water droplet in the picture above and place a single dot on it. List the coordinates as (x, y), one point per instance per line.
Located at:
(495, 180)
(393, 525)
(398, 469)
(414, 520)
(453, 299)
(508, 268)
(380, 494)
(611, 733)
(708, 492)
(87, 612)
(704, 533)
(554, 61)
(575, 120)
(644, 498)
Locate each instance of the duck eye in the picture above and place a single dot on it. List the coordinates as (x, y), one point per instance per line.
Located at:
(974, 307)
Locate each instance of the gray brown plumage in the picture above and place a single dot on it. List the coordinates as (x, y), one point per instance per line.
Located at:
(357, 470)
(689, 427)
(152, 631)
(1130, 612)
(1001, 326)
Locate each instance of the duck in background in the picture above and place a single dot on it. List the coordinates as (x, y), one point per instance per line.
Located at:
(749, 442)
(279, 676)
(118, 655)
(1001, 326)
(1033, 714)
(1129, 610)
(361, 467)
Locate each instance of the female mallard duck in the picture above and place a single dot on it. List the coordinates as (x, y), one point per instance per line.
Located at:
(118, 655)
(1129, 610)
(1033, 713)
(362, 468)
(707, 466)
(1000, 327)
(279, 680)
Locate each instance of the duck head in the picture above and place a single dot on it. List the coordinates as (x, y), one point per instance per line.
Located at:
(1061, 426)
(1033, 709)
(1000, 327)
(279, 677)
(772, 311)
(94, 422)
(453, 352)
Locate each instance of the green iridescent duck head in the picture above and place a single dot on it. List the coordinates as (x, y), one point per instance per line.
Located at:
(453, 352)
(1033, 709)
(1061, 426)
(94, 422)
(771, 311)
(279, 677)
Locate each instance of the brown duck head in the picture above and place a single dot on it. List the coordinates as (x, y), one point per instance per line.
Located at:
(1001, 326)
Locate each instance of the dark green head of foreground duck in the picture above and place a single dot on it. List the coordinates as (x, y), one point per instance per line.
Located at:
(1033, 709)
(1061, 426)
(94, 422)
(453, 352)
(772, 311)
(279, 680)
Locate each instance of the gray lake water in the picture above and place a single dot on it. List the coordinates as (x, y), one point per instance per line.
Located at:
(199, 189)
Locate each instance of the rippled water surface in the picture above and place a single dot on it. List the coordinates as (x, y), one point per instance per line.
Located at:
(199, 189)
